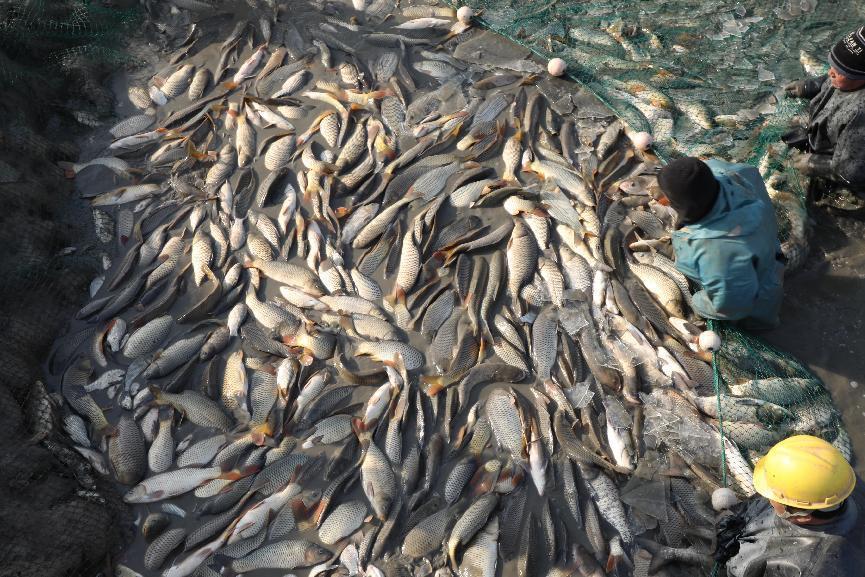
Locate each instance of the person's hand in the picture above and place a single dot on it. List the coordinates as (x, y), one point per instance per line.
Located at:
(795, 89)
(802, 163)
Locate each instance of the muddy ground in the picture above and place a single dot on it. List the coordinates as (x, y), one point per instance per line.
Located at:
(822, 321)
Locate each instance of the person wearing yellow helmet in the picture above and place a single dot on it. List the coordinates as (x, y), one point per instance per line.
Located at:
(802, 520)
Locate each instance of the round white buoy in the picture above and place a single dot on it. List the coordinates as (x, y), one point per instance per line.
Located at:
(642, 140)
(723, 499)
(709, 341)
(556, 66)
(465, 14)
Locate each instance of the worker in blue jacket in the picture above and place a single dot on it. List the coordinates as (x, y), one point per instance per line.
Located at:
(726, 240)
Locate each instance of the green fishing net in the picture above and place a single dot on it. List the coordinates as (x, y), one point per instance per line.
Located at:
(706, 79)
(764, 396)
(40, 38)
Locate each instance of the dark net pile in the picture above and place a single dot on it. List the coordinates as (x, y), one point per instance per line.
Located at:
(56, 516)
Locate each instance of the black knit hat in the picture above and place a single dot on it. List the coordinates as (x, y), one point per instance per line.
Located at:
(691, 188)
(848, 55)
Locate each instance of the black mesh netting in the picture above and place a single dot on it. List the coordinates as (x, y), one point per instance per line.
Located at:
(57, 516)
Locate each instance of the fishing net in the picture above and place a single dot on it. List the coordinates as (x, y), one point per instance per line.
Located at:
(705, 78)
(765, 395)
(57, 516)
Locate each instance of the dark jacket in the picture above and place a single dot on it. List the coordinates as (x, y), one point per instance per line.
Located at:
(773, 547)
(836, 131)
(733, 252)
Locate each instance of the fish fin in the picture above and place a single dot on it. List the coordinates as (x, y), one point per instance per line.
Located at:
(434, 385)
(230, 85)
(363, 433)
(236, 474)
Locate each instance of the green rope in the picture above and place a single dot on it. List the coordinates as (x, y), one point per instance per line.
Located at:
(716, 382)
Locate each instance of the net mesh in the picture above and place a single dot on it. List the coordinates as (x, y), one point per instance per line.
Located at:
(57, 515)
(766, 395)
(705, 78)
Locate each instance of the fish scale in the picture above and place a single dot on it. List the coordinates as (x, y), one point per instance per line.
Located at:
(127, 453)
(131, 125)
(353, 148)
(377, 478)
(662, 288)
(431, 184)
(522, 255)
(385, 66)
(544, 339)
(147, 338)
(606, 496)
(330, 430)
(438, 312)
(490, 109)
(472, 521)
(159, 550)
(262, 395)
(459, 476)
(281, 555)
(428, 534)
(160, 456)
(201, 453)
(393, 115)
(342, 522)
(176, 84)
(505, 420)
(329, 129)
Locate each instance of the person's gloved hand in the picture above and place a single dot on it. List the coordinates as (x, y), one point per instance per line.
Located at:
(802, 163)
(795, 89)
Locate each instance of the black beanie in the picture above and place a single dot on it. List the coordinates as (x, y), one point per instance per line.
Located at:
(848, 55)
(691, 188)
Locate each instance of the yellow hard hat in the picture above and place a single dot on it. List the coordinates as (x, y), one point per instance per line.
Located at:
(804, 472)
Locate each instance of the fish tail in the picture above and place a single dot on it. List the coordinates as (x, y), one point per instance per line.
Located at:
(260, 433)
(452, 554)
(398, 296)
(318, 513)
(157, 395)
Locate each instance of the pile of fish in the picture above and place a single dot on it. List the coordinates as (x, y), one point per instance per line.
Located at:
(376, 310)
